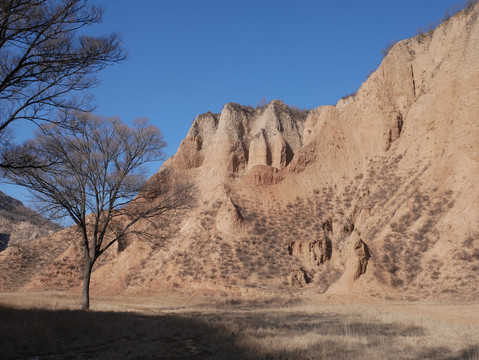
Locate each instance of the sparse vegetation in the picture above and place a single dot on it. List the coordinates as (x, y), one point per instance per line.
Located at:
(469, 4)
(297, 112)
(423, 35)
(388, 48)
(262, 103)
(351, 95)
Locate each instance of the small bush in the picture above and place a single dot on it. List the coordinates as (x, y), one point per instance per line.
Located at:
(388, 48)
(351, 95)
(262, 103)
(297, 112)
(422, 34)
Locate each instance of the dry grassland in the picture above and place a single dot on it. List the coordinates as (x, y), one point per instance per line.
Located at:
(46, 326)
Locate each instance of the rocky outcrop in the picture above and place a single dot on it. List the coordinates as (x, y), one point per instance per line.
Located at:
(363, 255)
(314, 253)
(301, 277)
(191, 152)
(259, 151)
(311, 255)
(229, 218)
(240, 138)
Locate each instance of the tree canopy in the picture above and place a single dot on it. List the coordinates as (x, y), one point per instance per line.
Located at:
(91, 171)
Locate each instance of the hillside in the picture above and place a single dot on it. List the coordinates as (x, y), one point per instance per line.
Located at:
(375, 197)
(19, 224)
(22, 248)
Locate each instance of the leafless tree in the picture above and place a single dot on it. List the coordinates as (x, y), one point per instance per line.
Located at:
(95, 171)
(45, 65)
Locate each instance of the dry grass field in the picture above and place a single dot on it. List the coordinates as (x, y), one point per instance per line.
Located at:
(47, 326)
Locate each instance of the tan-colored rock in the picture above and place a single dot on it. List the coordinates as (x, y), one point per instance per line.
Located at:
(363, 254)
(259, 152)
(313, 254)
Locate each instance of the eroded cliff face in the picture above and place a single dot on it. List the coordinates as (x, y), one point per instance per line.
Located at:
(377, 196)
(225, 146)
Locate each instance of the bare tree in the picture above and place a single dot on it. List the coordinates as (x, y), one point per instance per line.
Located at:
(45, 64)
(95, 171)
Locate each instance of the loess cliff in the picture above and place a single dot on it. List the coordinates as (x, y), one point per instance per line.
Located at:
(375, 197)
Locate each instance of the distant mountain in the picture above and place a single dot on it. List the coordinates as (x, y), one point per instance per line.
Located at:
(19, 224)
(22, 253)
(8, 203)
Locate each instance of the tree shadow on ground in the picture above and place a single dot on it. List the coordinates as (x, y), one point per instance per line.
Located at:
(229, 333)
(67, 334)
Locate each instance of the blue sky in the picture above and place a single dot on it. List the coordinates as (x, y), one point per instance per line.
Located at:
(187, 57)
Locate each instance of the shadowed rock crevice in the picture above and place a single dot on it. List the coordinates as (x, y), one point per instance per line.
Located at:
(395, 130)
(4, 239)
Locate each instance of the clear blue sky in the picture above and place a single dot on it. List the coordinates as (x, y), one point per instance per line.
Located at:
(187, 57)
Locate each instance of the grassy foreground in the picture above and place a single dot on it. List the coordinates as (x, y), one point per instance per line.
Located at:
(233, 331)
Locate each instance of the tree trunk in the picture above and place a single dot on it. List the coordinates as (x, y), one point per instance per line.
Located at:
(85, 306)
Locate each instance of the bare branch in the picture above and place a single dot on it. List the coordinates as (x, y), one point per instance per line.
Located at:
(45, 66)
